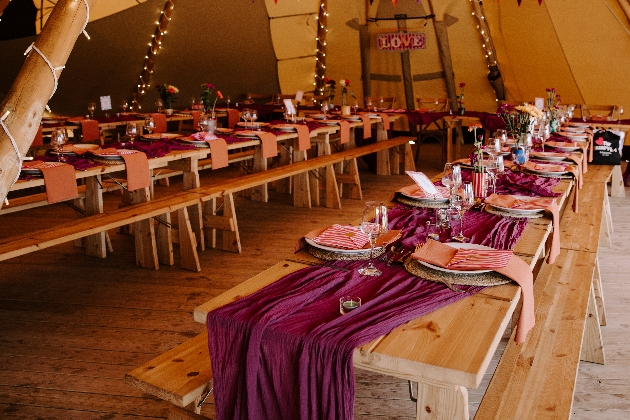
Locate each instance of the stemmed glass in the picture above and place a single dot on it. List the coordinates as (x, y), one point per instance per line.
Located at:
(193, 102)
(159, 105)
(368, 105)
(149, 125)
(373, 224)
(228, 101)
(124, 105)
(325, 108)
(91, 108)
(355, 106)
(131, 131)
(58, 138)
(620, 112)
(447, 177)
(462, 203)
(493, 170)
(246, 114)
(253, 116)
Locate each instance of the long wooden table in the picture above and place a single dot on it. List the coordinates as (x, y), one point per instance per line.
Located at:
(445, 351)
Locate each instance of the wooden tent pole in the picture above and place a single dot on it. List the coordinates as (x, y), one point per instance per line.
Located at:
(24, 104)
(625, 5)
(322, 28)
(3, 5)
(445, 55)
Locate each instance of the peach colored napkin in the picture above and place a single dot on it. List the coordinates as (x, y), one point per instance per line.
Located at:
(39, 138)
(137, 171)
(556, 168)
(415, 191)
(90, 131)
(383, 240)
(269, 144)
(59, 178)
(386, 120)
(233, 117)
(160, 122)
(530, 203)
(304, 137)
(367, 126)
(218, 153)
(344, 132)
(436, 253)
(75, 119)
(343, 236)
(195, 116)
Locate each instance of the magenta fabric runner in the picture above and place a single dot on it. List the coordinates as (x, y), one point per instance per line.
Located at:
(285, 352)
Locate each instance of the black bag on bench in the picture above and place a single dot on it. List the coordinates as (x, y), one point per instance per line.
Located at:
(606, 148)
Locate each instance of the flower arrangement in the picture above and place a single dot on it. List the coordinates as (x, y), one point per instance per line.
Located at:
(331, 87)
(207, 90)
(519, 120)
(552, 107)
(460, 99)
(476, 156)
(168, 93)
(344, 91)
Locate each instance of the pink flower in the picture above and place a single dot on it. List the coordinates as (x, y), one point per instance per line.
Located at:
(462, 84)
(347, 82)
(171, 89)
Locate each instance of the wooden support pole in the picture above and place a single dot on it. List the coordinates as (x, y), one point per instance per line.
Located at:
(322, 24)
(406, 66)
(34, 84)
(3, 5)
(445, 56)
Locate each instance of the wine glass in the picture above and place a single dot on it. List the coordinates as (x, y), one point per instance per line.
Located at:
(228, 101)
(457, 177)
(91, 108)
(193, 102)
(355, 106)
(493, 146)
(131, 131)
(492, 168)
(447, 177)
(58, 138)
(253, 116)
(159, 105)
(373, 224)
(124, 105)
(462, 203)
(325, 108)
(246, 114)
(149, 125)
(620, 112)
(368, 104)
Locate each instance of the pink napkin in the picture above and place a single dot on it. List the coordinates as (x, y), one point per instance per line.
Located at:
(269, 144)
(219, 153)
(344, 132)
(555, 168)
(90, 131)
(386, 121)
(233, 117)
(383, 240)
(59, 178)
(548, 204)
(137, 171)
(39, 138)
(367, 126)
(160, 122)
(304, 137)
(75, 119)
(340, 236)
(480, 259)
(436, 253)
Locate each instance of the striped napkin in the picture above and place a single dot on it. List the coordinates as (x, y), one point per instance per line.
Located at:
(479, 259)
(339, 236)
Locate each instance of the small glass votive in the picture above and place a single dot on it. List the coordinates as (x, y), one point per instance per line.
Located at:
(433, 231)
(348, 304)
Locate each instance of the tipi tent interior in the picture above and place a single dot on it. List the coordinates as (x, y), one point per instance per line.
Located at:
(513, 50)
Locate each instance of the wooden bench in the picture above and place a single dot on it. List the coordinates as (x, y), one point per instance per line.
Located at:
(537, 378)
(142, 214)
(181, 376)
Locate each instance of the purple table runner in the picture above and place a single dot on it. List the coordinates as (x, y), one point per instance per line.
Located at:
(285, 352)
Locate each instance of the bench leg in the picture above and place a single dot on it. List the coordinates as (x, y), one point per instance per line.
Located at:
(283, 186)
(441, 402)
(382, 157)
(187, 242)
(599, 294)
(607, 212)
(409, 163)
(193, 406)
(352, 179)
(617, 189)
(144, 234)
(164, 240)
(604, 231)
(210, 233)
(260, 192)
(332, 190)
(301, 184)
(231, 238)
(79, 203)
(592, 344)
(95, 245)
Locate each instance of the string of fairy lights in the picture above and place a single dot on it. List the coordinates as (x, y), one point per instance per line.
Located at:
(154, 47)
(484, 31)
(320, 55)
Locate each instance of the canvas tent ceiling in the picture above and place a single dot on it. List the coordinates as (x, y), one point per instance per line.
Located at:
(581, 48)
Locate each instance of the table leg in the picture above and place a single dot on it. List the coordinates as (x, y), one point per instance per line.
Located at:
(190, 171)
(260, 192)
(144, 234)
(283, 186)
(441, 402)
(301, 184)
(617, 188)
(382, 157)
(94, 244)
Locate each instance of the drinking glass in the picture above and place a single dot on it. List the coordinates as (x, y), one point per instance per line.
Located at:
(203, 122)
(493, 146)
(355, 106)
(325, 107)
(253, 116)
(368, 104)
(131, 131)
(433, 230)
(620, 112)
(193, 102)
(58, 138)
(228, 101)
(124, 105)
(159, 105)
(457, 177)
(91, 108)
(462, 203)
(493, 169)
(447, 177)
(149, 125)
(246, 114)
(373, 224)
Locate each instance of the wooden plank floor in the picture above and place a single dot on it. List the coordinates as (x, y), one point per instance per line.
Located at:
(71, 326)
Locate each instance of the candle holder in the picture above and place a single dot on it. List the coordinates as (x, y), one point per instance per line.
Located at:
(348, 304)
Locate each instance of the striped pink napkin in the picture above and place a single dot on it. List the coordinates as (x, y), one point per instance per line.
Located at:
(339, 236)
(479, 259)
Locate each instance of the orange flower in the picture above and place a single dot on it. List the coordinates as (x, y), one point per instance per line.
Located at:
(474, 126)
(219, 94)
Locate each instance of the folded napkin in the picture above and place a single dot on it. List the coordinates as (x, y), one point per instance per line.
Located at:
(233, 117)
(367, 126)
(269, 144)
(340, 236)
(160, 122)
(90, 131)
(441, 255)
(383, 240)
(526, 203)
(386, 120)
(39, 138)
(219, 153)
(59, 178)
(203, 136)
(304, 137)
(479, 259)
(415, 191)
(75, 119)
(138, 175)
(344, 132)
(550, 168)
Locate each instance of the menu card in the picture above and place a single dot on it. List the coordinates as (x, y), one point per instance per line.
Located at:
(424, 183)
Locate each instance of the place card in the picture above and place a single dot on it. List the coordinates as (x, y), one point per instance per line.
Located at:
(106, 103)
(289, 106)
(423, 182)
(299, 95)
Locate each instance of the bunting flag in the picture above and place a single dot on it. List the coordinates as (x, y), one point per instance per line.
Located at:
(519, 2)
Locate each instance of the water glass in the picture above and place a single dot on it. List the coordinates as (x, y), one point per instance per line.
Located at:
(373, 224)
(131, 131)
(149, 125)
